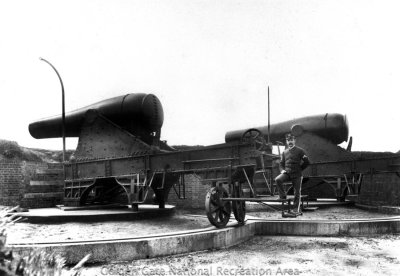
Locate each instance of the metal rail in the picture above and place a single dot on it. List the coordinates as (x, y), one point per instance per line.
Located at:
(210, 160)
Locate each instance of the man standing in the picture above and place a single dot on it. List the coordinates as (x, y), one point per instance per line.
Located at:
(292, 163)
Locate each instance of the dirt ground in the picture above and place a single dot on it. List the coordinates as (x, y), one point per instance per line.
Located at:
(330, 213)
(262, 255)
(25, 232)
(275, 255)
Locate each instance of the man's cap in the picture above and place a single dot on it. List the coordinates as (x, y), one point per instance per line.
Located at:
(289, 136)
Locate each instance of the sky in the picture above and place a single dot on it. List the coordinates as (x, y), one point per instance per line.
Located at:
(209, 63)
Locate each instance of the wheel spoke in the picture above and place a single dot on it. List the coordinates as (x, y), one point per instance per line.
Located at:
(217, 212)
(254, 134)
(214, 209)
(239, 207)
(221, 215)
(214, 202)
(241, 210)
(225, 211)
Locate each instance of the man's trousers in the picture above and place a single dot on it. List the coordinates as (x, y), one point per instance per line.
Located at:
(296, 182)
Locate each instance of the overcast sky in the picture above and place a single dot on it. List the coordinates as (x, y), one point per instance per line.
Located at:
(209, 62)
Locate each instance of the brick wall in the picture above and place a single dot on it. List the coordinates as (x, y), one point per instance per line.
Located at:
(195, 192)
(380, 189)
(30, 184)
(11, 183)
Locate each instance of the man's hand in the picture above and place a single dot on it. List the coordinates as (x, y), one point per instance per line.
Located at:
(283, 171)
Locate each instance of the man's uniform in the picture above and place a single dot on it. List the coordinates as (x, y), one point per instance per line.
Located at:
(293, 161)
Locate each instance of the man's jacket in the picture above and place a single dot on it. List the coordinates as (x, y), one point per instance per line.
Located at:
(294, 161)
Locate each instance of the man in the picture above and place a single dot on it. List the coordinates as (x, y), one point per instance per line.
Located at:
(293, 162)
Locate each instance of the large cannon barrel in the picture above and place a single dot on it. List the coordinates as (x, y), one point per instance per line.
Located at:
(333, 127)
(137, 113)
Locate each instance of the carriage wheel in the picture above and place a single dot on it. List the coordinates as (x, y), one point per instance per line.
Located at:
(239, 207)
(218, 211)
(255, 137)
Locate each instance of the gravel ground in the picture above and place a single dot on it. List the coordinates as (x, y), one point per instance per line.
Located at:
(262, 255)
(275, 255)
(330, 213)
(25, 232)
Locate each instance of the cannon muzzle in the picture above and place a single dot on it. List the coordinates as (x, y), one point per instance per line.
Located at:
(140, 114)
(333, 127)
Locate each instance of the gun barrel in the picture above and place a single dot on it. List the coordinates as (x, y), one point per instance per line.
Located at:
(137, 113)
(333, 127)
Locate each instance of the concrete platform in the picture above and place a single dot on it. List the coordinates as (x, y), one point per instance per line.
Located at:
(76, 214)
(147, 247)
(349, 227)
(162, 244)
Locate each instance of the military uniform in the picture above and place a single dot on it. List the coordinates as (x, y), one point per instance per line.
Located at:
(293, 161)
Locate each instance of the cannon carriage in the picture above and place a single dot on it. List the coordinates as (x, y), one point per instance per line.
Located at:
(120, 158)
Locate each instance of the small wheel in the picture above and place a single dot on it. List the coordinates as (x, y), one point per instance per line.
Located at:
(255, 137)
(239, 207)
(218, 211)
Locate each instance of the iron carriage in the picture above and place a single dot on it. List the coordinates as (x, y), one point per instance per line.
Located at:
(120, 158)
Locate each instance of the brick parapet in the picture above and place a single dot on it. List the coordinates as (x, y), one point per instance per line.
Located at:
(11, 183)
(380, 189)
(26, 184)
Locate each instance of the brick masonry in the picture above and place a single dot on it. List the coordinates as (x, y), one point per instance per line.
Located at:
(195, 193)
(30, 184)
(11, 183)
(380, 189)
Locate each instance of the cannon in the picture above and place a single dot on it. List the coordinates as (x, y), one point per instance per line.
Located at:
(332, 127)
(320, 136)
(139, 114)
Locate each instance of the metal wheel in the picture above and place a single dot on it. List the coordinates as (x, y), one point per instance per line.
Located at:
(255, 137)
(218, 211)
(239, 207)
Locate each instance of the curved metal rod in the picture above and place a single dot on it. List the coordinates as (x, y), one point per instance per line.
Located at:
(269, 124)
(63, 105)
